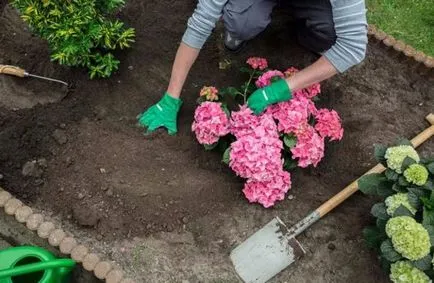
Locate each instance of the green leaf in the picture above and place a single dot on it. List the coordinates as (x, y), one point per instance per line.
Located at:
(397, 188)
(226, 110)
(380, 152)
(430, 229)
(428, 185)
(369, 184)
(430, 167)
(419, 192)
(385, 265)
(246, 70)
(378, 210)
(200, 99)
(430, 274)
(402, 211)
(289, 164)
(402, 181)
(428, 217)
(373, 236)
(414, 200)
(385, 190)
(423, 263)
(210, 146)
(290, 140)
(391, 175)
(403, 141)
(388, 252)
(428, 202)
(226, 156)
(381, 224)
(232, 91)
(407, 162)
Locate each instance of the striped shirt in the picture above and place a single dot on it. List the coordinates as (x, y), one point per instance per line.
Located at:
(349, 17)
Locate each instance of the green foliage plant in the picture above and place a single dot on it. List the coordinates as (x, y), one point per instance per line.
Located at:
(79, 32)
(403, 234)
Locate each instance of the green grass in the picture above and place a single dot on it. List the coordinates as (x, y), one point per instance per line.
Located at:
(411, 21)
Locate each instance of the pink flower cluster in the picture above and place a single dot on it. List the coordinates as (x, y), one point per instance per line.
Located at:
(267, 193)
(309, 148)
(257, 156)
(292, 115)
(210, 123)
(210, 93)
(257, 63)
(328, 124)
(266, 78)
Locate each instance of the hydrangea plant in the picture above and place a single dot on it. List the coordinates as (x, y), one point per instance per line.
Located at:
(263, 148)
(404, 232)
(405, 272)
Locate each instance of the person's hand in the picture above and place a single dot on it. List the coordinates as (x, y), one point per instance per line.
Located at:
(163, 114)
(276, 92)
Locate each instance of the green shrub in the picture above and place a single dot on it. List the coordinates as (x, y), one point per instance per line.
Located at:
(79, 32)
(403, 234)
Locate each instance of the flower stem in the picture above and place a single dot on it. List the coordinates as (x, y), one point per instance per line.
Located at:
(247, 86)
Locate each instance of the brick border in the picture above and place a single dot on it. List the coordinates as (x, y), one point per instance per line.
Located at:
(58, 238)
(401, 49)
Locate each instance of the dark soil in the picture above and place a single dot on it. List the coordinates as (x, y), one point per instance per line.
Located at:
(135, 185)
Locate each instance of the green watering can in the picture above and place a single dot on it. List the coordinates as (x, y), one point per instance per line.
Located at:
(33, 265)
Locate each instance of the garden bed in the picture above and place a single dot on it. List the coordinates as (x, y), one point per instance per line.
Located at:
(161, 206)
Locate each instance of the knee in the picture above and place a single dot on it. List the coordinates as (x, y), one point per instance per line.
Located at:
(246, 19)
(323, 34)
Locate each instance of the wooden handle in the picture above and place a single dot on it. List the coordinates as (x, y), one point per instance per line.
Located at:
(12, 70)
(353, 187)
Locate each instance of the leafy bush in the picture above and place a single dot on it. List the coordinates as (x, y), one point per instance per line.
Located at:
(404, 232)
(79, 32)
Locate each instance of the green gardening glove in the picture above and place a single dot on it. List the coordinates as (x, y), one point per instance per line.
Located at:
(163, 114)
(276, 92)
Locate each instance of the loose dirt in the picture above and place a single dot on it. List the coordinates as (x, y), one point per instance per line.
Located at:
(162, 206)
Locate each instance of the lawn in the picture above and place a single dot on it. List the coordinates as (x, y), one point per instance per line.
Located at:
(411, 21)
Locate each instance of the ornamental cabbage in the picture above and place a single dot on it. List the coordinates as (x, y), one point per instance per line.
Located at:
(409, 238)
(396, 155)
(404, 272)
(395, 201)
(416, 174)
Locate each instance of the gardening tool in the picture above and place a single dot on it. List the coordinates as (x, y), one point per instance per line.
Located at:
(18, 72)
(274, 247)
(33, 265)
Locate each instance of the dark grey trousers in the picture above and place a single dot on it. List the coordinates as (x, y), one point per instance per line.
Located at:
(314, 20)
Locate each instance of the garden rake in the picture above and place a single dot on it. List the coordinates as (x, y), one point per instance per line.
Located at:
(18, 72)
(274, 247)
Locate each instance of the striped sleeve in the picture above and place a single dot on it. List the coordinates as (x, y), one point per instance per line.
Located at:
(349, 17)
(202, 22)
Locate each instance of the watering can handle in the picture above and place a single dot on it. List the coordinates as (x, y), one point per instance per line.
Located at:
(34, 267)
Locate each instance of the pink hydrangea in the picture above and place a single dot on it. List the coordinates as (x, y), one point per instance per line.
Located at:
(329, 124)
(210, 93)
(210, 123)
(313, 90)
(243, 122)
(256, 156)
(292, 114)
(267, 77)
(291, 71)
(268, 192)
(309, 148)
(257, 63)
